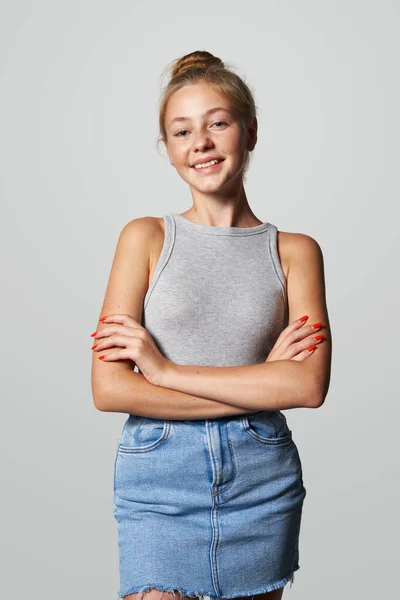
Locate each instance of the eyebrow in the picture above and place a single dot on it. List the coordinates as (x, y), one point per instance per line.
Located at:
(208, 112)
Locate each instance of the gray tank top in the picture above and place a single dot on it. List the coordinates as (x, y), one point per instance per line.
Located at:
(218, 294)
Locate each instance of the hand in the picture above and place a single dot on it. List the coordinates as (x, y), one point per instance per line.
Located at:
(136, 344)
(294, 340)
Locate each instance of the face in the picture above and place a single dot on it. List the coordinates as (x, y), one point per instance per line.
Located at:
(202, 124)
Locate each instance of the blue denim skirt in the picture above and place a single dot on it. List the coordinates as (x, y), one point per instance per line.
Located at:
(208, 508)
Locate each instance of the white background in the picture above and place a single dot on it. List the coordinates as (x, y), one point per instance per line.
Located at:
(80, 84)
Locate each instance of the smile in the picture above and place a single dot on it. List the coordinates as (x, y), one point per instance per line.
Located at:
(207, 167)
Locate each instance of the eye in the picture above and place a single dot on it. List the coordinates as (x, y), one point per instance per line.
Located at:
(185, 130)
(179, 132)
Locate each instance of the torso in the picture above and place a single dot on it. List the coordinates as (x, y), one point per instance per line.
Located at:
(285, 242)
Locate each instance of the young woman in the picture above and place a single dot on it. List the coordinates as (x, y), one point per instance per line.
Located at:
(225, 320)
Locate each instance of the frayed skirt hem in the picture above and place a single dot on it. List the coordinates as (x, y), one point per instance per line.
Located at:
(203, 595)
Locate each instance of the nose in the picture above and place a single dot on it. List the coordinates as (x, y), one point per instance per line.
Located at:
(202, 141)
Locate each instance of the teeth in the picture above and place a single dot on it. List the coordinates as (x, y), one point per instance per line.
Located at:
(207, 164)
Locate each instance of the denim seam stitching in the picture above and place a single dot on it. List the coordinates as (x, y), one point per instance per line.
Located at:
(152, 446)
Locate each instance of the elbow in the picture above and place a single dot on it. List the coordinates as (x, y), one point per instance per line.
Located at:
(317, 393)
(315, 401)
(100, 398)
(104, 390)
(99, 403)
(101, 407)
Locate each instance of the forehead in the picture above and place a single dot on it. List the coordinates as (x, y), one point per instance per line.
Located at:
(194, 101)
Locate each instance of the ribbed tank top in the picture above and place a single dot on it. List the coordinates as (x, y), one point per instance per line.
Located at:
(218, 294)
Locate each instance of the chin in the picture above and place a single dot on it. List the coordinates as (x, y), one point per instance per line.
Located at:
(208, 186)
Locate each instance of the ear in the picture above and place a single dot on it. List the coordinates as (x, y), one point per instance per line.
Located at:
(166, 149)
(252, 134)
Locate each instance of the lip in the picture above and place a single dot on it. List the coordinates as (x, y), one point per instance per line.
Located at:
(208, 169)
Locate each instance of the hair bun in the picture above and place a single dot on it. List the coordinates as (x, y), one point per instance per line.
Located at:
(199, 59)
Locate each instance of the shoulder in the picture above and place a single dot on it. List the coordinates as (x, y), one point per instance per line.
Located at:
(297, 247)
(143, 231)
(144, 234)
(142, 227)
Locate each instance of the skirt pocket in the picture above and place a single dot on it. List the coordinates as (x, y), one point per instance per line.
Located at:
(143, 434)
(267, 427)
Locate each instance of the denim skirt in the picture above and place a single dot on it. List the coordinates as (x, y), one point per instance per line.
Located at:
(208, 508)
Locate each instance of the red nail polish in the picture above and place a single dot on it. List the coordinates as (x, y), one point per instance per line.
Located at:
(93, 334)
(302, 319)
(311, 348)
(94, 347)
(102, 318)
(101, 357)
(317, 325)
(319, 337)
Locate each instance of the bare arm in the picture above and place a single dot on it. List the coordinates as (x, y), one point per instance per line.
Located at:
(115, 386)
(208, 392)
(130, 392)
(277, 385)
(280, 384)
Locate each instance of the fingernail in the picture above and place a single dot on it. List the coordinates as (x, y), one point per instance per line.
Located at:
(93, 334)
(302, 319)
(316, 325)
(101, 357)
(318, 337)
(102, 318)
(311, 348)
(93, 347)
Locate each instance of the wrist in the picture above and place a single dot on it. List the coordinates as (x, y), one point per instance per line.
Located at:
(168, 373)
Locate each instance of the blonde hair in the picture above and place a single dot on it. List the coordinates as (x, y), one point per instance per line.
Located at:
(203, 66)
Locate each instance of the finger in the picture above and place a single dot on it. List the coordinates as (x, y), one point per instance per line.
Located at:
(308, 342)
(124, 319)
(298, 347)
(295, 325)
(305, 353)
(115, 355)
(119, 329)
(123, 341)
(301, 335)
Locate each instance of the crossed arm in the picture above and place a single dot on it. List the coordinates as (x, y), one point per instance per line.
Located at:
(197, 392)
(281, 384)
